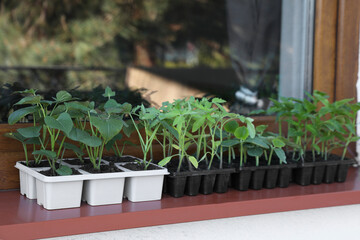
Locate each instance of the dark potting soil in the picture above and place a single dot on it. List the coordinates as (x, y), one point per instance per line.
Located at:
(103, 168)
(118, 159)
(77, 161)
(137, 167)
(32, 164)
(50, 172)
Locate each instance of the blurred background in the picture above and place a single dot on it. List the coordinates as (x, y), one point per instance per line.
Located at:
(152, 51)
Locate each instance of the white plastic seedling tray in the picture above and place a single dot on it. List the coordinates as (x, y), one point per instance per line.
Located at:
(96, 189)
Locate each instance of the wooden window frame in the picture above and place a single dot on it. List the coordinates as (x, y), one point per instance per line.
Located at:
(336, 48)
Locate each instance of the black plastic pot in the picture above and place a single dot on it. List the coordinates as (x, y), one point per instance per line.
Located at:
(241, 179)
(342, 169)
(318, 174)
(330, 172)
(222, 182)
(257, 179)
(207, 184)
(192, 185)
(271, 177)
(176, 185)
(303, 175)
(285, 175)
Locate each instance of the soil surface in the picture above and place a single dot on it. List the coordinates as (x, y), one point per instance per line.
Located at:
(136, 167)
(118, 159)
(32, 164)
(77, 161)
(103, 168)
(50, 172)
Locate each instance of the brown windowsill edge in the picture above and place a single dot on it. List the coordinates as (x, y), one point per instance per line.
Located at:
(168, 210)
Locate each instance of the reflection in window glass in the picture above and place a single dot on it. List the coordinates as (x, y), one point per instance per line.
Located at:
(170, 48)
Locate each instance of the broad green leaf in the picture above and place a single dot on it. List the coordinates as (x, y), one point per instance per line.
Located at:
(49, 154)
(111, 106)
(27, 91)
(278, 143)
(281, 154)
(229, 142)
(74, 148)
(164, 161)
(170, 129)
(63, 122)
(30, 132)
(20, 113)
(258, 142)
(110, 143)
(108, 128)
(255, 152)
(64, 170)
(128, 128)
(29, 100)
(193, 161)
(231, 126)
(16, 136)
(108, 93)
(84, 137)
(78, 106)
(351, 128)
(35, 141)
(63, 96)
(241, 133)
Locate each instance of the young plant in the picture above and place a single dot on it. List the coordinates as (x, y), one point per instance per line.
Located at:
(177, 118)
(149, 121)
(55, 122)
(103, 127)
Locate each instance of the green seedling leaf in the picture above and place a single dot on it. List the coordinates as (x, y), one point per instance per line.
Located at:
(78, 106)
(64, 170)
(316, 147)
(229, 143)
(255, 152)
(251, 129)
(27, 91)
(312, 129)
(63, 122)
(63, 96)
(108, 128)
(261, 128)
(84, 137)
(175, 146)
(198, 123)
(110, 143)
(231, 126)
(258, 141)
(16, 136)
(29, 100)
(218, 100)
(30, 132)
(111, 106)
(74, 148)
(280, 154)
(241, 133)
(108, 93)
(193, 161)
(20, 113)
(128, 128)
(165, 161)
(170, 129)
(278, 143)
(47, 153)
(258, 112)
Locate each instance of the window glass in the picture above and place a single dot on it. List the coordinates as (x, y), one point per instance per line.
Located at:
(153, 51)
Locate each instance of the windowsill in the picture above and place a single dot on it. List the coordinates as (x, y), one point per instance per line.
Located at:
(23, 219)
